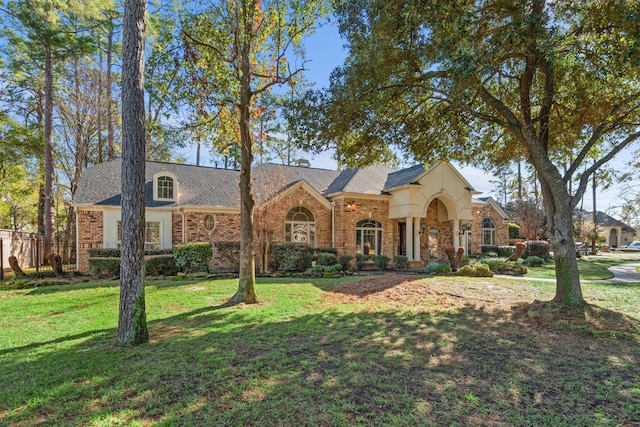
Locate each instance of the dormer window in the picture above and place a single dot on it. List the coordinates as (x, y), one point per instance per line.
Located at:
(164, 187)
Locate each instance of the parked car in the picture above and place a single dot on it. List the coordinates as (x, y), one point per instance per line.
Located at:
(633, 246)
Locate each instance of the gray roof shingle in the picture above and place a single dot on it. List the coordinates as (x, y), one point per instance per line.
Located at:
(404, 177)
(197, 185)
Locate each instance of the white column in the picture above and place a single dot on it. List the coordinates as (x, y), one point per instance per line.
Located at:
(456, 234)
(416, 240)
(409, 238)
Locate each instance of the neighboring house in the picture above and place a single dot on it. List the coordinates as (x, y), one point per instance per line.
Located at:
(417, 212)
(616, 232)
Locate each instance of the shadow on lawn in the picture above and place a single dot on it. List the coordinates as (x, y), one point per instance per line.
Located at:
(227, 366)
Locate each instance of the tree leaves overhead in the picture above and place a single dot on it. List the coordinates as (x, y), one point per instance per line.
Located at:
(420, 74)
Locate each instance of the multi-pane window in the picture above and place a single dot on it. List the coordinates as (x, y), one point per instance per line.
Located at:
(369, 237)
(488, 232)
(151, 234)
(165, 188)
(300, 226)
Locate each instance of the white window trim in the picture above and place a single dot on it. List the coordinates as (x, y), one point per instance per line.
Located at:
(155, 186)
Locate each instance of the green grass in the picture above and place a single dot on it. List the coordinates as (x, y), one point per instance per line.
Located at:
(440, 351)
(590, 268)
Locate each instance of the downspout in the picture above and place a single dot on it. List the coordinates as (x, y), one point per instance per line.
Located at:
(182, 230)
(75, 212)
(333, 224)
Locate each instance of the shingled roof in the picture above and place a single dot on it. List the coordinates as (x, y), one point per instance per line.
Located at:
(369, 180)
(606, 220)
(212, 187)
(197, 185)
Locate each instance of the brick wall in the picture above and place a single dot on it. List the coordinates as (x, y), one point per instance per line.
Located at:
(349, 211)
(90, 235)
(430, 250)
(502, 227)
(272, 217)
(227, 229)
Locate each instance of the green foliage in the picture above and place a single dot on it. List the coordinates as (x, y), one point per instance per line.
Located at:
(381, 262)
(291, 257)
(324, 270)
(400, 262)
(476, 269)
(345, 262)
(328, 250)
(490, 249)
(361, 260)
(534, 261)
(437, 268)
(161, 265)
(506, 251)
(514, 231)
(539, 248)
(229, 254)
(327, 258)
(193, 257)
(99, 266)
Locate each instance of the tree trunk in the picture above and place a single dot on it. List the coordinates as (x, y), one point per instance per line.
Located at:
(559, 210)
(132, 323)
(110, 134)
(595, 215)
(49, 172)
(247, 281)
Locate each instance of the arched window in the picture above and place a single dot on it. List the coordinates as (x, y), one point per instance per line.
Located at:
(165, 188)
(300, 226)
(488, 232)
(369, 237)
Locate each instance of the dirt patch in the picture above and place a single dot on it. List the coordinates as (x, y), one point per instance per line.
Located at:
(521, 303)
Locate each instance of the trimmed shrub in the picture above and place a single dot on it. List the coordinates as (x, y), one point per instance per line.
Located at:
(400, 262)
(327, 258)
(490, 249)
(193, 257)
(381, 261)
(159, 265)
(98, 266)
(328, 251)
(476, 269)
(291, 257)
(539, 248)
(361, 260)
(115, 252)
(104, 253)
(345, 262)
(436, 268)
(534, 261)
(514, 231)
(506, 251)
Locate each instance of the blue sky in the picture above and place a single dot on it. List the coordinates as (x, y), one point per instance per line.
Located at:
(325, 51)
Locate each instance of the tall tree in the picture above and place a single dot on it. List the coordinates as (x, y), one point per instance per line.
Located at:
(132, 324)
(496, 80)
(239, 50)
(52, 29)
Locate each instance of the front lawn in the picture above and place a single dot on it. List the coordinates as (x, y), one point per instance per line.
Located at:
(379, 350)
(590, 268)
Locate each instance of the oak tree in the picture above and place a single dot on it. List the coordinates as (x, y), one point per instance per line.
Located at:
(495, 80)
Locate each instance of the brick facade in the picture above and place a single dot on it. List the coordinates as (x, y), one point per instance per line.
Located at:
(90, 235)
(271, 217)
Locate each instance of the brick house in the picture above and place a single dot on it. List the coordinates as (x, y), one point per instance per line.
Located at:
(417, 211)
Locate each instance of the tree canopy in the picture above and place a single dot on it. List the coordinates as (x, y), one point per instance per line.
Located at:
(491, 81)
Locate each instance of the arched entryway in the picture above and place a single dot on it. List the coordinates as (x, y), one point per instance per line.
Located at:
(613, 238)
